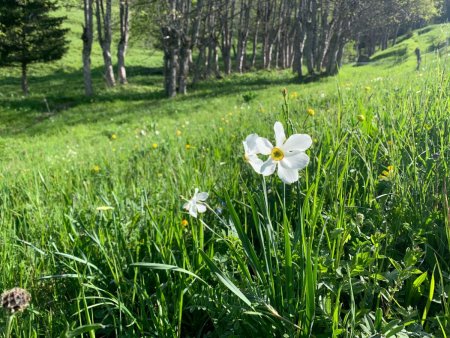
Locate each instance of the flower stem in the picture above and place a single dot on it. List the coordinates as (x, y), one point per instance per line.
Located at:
(9, 325)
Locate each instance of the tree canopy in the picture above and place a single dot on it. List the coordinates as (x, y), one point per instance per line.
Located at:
(30, 33)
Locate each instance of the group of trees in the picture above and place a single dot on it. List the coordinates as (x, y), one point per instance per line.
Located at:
(102, 10)
(203, 38)
(386, 19)
(31, 32)
(302, 34)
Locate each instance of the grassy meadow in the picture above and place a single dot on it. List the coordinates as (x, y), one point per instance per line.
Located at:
(92, 193)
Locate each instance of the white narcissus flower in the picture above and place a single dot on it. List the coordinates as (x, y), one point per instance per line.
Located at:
(289, 155)
(195, 204)
(251, 151)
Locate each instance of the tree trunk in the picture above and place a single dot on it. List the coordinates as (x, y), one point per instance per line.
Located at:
(300, 36)
(243, 31)
(105, 37)
(171, 59)
(333, 53)
(310, 22)
(172, 83)
(200, 63)
(255, 43)
(227, 34)
(123, 41)
(25, 88)
(185, 58)
(87, 38)
(215, 61)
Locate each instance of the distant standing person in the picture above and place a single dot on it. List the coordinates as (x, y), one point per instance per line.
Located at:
(419, 58)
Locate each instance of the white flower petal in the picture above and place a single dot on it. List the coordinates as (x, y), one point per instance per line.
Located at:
(193, 210)
(187, 205)
(299, 142)
(287, 175)
(202, 196)
(250, 145)
(255, 162)
(264, 146)
(280, 136)
(246, 148)
(201, 208)
(268, 167)
(296, 160)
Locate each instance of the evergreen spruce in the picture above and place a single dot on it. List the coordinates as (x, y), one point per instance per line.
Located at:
(29, 33)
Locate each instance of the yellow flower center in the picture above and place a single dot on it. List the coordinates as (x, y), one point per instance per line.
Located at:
(246, 158)
(277, 154)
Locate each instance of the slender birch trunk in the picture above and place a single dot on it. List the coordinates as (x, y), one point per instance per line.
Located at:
(87, 38)
(104, 37)
(124, 14)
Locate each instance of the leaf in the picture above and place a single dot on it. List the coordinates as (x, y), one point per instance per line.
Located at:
(224, 279)
(415, 287)
(83, 329)
(157, 266)
(392, 328)
(430, 298)
(246, 244)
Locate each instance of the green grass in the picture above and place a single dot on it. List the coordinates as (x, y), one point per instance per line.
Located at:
(342, 253)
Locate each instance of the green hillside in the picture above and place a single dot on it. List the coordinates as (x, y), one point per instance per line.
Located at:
(92, 190)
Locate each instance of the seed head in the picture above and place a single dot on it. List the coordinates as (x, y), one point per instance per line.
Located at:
(16, 299)
(359, 218)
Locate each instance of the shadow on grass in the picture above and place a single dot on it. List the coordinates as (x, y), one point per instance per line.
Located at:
(399, 53)
(58, 99)
(236, 84)
(60, 92)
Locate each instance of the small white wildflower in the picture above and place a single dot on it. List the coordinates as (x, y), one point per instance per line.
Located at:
(195, 205)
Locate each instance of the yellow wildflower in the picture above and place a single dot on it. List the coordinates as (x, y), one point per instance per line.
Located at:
(178, 132)
(184, 223)
(113, 137)
(361, 118)
(310, 112)
(387, 175)
(187, 146)
(155, 145)
(95, 169)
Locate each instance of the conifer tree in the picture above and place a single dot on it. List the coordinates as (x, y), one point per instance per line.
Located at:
(30, 33)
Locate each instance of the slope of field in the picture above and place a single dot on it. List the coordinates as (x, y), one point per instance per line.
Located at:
(91, 196)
